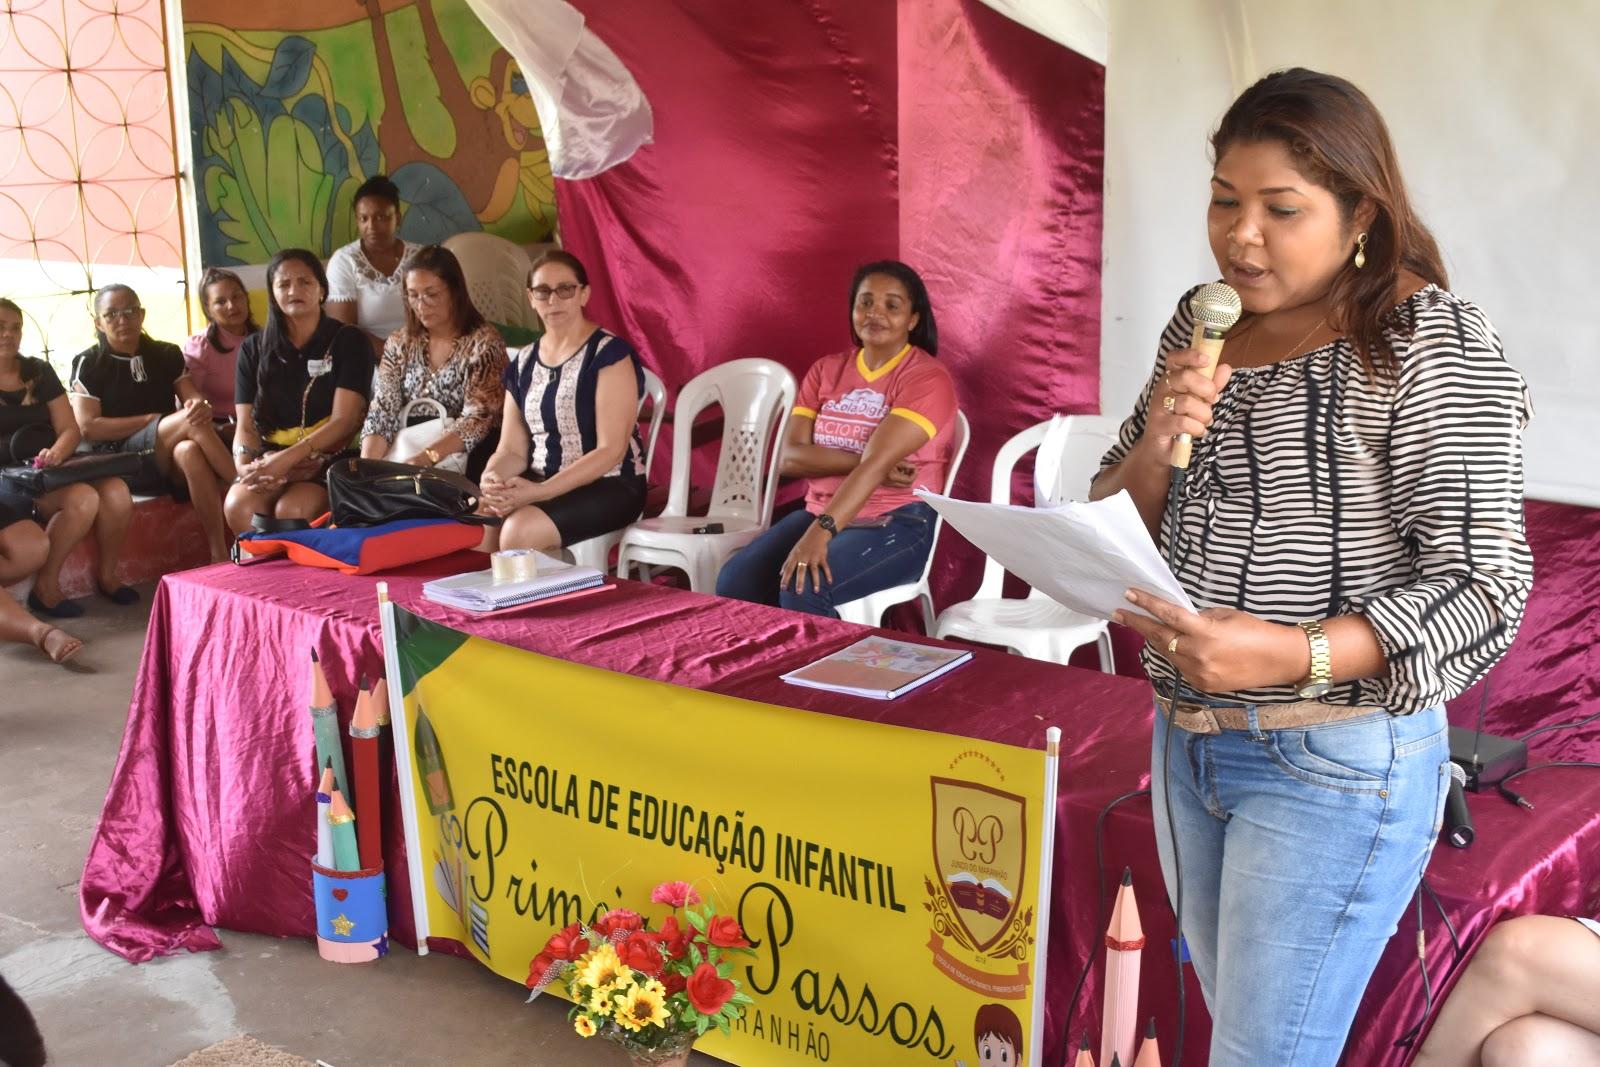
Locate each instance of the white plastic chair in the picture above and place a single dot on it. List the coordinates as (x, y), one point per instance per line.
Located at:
(596, 551)
(497, 277)
(756, 397)
(1069, 449)
(868, 610)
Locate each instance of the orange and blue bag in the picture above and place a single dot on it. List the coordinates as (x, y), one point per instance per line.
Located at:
(359, 549)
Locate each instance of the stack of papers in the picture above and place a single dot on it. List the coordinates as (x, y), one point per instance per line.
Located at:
(878, 667)
(477, 591)
(1082, 556)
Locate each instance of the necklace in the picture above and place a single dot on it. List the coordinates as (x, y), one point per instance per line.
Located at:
(1250, 341)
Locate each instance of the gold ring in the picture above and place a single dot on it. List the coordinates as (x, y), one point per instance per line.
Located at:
(1169, 403)
(1172, 646)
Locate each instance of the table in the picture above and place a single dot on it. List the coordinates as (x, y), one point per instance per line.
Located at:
(206, 822)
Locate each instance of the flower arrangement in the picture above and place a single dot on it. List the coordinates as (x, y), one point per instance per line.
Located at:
(652, 991)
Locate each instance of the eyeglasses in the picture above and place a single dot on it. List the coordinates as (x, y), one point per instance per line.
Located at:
(427, 298)
(566, 291)
(118, 314)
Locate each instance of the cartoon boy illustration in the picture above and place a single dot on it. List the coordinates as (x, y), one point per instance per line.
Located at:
(998, 1034)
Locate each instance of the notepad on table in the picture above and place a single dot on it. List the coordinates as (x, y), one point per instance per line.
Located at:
(878, 667)
(478, 591)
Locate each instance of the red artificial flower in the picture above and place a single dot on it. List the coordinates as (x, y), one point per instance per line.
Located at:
(675, 938)
(724, 932)
(675, 894)
(674, 982)
(536, 970)
(707, 992)
(618, 921)
(567, 944)
(641, 950)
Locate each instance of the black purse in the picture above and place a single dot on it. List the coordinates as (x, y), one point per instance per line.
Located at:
(370, 492)
(36, 481)
(26, 442)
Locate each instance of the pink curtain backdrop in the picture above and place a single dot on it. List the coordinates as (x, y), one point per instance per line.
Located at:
(795, 142)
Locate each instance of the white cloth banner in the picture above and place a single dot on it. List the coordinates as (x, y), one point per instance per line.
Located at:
(1078, 24)
(593, 114)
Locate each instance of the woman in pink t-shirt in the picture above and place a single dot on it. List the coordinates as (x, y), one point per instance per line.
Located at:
(211, 354)
(870, 426)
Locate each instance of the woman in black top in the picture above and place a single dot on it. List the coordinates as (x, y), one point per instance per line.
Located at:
(34, 413)
(301, 394)
(134, 394)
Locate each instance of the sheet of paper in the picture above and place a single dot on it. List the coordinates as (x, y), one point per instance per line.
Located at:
(1083, 556)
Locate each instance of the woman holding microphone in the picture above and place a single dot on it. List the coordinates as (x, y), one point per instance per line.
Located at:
(1351, 528)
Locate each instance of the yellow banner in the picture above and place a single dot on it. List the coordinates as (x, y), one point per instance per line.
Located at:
(887, 877)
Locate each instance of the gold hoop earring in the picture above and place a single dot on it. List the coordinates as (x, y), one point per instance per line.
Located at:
(1361, 251)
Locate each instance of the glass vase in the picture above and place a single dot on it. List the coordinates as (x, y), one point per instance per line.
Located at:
(673, 1053)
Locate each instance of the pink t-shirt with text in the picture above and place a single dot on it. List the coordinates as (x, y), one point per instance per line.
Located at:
(848, 401)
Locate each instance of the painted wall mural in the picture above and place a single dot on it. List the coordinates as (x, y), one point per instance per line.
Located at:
(294, 103)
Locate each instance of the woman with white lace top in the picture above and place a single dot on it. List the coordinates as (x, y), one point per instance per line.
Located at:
(366, 278)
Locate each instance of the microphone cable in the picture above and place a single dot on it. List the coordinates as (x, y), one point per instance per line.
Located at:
(1100, 910)
(1174, 502)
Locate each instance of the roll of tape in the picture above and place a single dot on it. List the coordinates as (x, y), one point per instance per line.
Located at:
(514, 565)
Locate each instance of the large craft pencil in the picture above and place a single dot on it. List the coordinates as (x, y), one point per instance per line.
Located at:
(364, 753)
(380, 701)
(325, 723)
(1149, 1049)
(1119, 1025)
(346, 857)
(1085, 1057)
(324, 830)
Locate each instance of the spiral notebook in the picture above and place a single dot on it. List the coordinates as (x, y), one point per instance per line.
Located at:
(878, 667)
(477, 591)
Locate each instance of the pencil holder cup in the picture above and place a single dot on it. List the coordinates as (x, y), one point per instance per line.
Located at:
(352, 914)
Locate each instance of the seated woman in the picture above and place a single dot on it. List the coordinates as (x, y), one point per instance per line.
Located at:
(211, 354)
(33, 404)
(869, 426)
(24, 547)
(570, 465)
(1531, 995)
(133, 394)
(366, 277)
(445, 352)
(300, 393)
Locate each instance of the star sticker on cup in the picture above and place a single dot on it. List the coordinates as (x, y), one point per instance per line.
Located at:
(343, 926)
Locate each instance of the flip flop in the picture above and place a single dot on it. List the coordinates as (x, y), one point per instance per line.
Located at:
(63, 609)
(122, 594)
(65, 650)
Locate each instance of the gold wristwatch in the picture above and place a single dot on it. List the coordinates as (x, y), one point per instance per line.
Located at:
(1320, 680)
(433, 457)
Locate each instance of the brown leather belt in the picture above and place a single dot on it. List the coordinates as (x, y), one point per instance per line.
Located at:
(1204, 719)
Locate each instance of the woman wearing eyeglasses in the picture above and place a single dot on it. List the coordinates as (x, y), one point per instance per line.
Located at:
(445, 353)
(570, 465)
(131, 393)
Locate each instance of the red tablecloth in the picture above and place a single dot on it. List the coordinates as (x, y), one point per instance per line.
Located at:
(206, 820)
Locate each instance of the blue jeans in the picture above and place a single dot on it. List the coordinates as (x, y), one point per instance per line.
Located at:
(1301, 850)
(864, 559)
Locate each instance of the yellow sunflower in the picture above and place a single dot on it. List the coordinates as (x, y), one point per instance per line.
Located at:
(600, 1001)
(601, 967)
(584, 1025)
(642, 1007)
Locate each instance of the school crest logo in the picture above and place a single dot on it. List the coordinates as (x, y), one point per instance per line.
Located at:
(981, 930)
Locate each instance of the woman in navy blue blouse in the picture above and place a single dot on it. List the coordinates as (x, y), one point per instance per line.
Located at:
(570, 465)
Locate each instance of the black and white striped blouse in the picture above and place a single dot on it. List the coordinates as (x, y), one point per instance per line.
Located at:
(1320, 492)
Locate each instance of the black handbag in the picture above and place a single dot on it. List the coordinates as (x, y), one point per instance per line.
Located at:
(370, 492)
(26, 442)
(91, 467)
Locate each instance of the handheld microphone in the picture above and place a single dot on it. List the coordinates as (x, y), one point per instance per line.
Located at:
(1215, 307)
(1458, 828)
